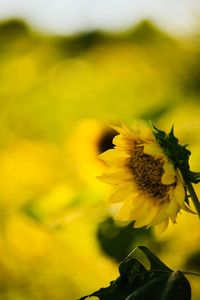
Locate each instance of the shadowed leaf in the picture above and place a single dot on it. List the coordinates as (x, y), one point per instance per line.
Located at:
(137, 283)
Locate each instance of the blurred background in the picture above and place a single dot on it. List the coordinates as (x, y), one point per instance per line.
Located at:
(68, 69)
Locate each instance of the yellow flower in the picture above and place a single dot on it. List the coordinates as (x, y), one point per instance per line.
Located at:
(145, 179)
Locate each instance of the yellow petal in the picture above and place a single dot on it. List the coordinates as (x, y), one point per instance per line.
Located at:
(121, 192)
(140, 223)
(146, 134)
(188, 209)
(145, 220)
(135, 207)
(124, 130)
(128, 130)
(138, 132)
(172, 210)
(143, 208)
(116, 176)
(140, 213)
(114, 157)
(178, 194)
(159, 229)
(124, 212)
(119, 141)
(124, 142)
(161, 215)
(169, 176)
(153, 149)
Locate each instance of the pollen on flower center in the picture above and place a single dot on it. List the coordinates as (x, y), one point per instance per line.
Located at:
(148, 171)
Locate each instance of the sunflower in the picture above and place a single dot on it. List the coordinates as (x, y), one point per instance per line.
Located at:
(150, 187)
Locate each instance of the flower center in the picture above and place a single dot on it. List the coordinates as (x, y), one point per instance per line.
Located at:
(148, 171)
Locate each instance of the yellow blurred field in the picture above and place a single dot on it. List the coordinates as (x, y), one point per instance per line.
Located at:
(58, 96)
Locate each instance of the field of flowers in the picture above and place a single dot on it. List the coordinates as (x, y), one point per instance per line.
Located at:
(58, 95)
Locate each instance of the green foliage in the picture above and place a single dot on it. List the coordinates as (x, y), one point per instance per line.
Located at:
(137, 283)
(177, 153)
(117, 241)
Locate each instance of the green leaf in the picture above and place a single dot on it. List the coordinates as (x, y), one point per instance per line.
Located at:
(155, 262)
(165, 287)
(137, 283)
(152, 290)
(130, 267)
(177, 287)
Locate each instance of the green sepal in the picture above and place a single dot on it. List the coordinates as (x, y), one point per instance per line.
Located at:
(179, 154)
(195, 176)
(138, 283)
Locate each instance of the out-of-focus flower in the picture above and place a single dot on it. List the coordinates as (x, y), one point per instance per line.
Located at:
(89, 138)
(145, 179)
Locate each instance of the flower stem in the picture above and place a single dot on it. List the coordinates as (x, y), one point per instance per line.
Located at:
(194, 197)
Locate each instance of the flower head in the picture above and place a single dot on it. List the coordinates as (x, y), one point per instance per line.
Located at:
(146, 181)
